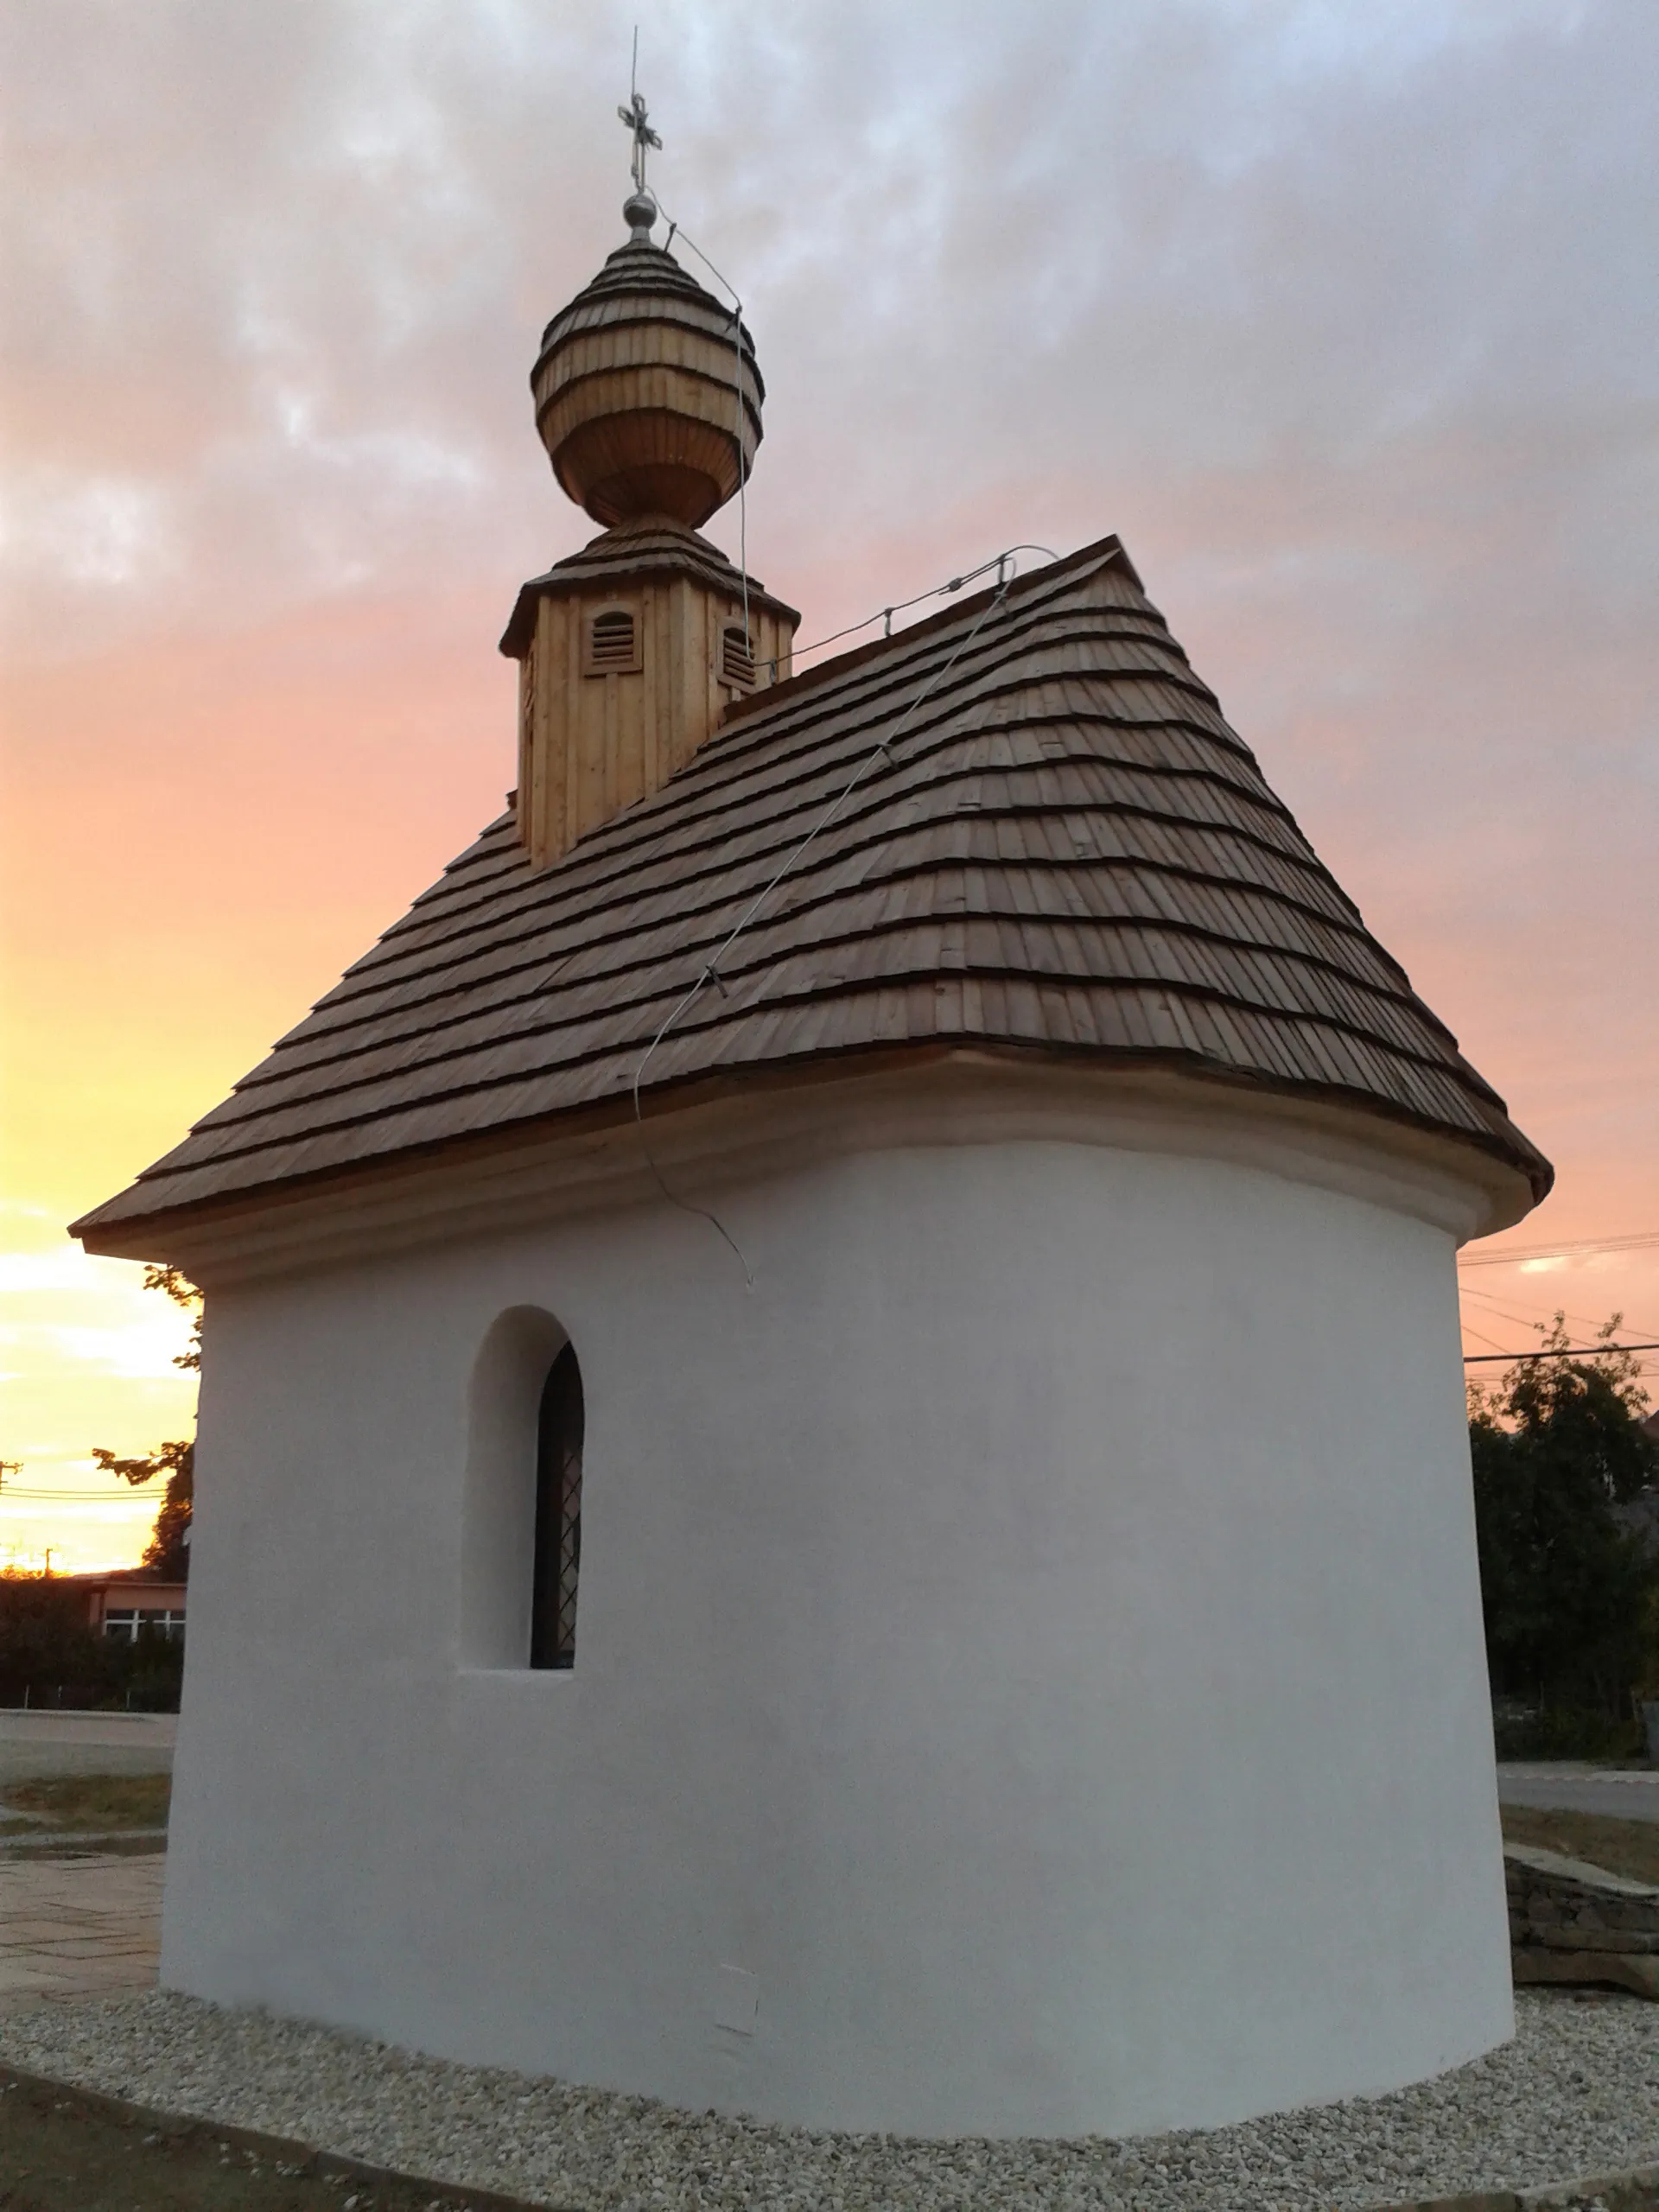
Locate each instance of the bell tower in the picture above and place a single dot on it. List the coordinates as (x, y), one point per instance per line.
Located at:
(648, 401)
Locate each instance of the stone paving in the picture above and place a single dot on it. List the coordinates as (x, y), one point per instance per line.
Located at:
(79, 1927)
(79, 1924)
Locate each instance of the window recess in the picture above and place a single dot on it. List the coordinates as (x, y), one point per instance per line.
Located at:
(558, 1514)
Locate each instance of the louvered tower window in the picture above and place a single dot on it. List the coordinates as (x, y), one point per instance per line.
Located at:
(737, 660)
(613, 642)
(558, 1514)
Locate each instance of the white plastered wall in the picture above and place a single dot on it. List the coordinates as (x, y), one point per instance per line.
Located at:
(1033, 1632)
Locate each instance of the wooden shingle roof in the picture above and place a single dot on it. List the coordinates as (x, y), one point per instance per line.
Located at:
(1065, 853)
(651, 546)
(642, 282)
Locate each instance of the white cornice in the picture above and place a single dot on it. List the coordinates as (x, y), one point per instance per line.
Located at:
(964, 1098)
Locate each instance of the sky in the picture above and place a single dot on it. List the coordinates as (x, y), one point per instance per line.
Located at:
(1344, 313)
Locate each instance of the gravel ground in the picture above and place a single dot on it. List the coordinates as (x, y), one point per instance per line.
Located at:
(1576, 2092)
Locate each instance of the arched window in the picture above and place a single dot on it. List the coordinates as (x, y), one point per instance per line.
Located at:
(558, 1514)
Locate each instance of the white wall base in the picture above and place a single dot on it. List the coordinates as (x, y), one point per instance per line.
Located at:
(1029, 1675)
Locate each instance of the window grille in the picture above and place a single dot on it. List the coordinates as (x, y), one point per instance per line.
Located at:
(613, 643)
(558, 1514)
(736, 659)
(124, 1626)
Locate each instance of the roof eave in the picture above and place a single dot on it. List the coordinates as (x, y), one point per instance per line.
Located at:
(115, 1234)
(560, 583)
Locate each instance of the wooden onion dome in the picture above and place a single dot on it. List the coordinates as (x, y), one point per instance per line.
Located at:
(647, 395)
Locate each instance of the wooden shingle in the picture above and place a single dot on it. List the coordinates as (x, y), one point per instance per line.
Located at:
(1065, 852)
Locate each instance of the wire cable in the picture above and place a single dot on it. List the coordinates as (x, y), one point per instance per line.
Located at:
(709, 971)
(1569, 1248)
(137, 1496)
(1480, 1339)
(1483, 1359)
(1582, 1322)
(885, 614)
(674, 231)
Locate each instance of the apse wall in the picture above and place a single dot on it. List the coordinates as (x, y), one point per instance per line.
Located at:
(1028, 1671)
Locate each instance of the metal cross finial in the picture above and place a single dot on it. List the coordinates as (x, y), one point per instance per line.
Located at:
(634, 115)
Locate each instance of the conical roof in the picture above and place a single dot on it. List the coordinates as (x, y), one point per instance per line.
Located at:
(1065, 854)
(643, 282)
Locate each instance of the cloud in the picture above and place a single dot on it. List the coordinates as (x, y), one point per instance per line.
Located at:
(1344, 315)
(276, 284)
(64, 1267)
(128, 1349)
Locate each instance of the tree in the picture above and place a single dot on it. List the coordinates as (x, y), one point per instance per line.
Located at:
(44, 1636)
(49, 1650)
(167, 1555)
(182, 1291)
(1570, 1597)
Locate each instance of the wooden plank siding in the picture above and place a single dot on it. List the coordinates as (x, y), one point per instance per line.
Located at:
(593, 743)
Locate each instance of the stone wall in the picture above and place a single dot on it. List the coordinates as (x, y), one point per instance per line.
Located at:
(1573, 1922)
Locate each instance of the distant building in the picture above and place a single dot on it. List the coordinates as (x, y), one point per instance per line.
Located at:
(833, 1476)
(122, 1605)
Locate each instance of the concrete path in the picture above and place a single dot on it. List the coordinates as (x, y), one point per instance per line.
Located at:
(34, 1744)
(1573, 1786)
(79, 1927)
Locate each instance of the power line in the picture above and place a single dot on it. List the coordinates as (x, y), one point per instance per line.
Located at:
(1508, 1312)
(81, 1496)
(1480, 1337)
(140, 1491)
(1568, 1248)
(1480, 1358)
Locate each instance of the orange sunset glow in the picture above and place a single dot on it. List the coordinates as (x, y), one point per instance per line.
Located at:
(1351, 311)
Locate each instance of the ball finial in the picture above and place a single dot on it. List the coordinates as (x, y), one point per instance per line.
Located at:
(639, 213)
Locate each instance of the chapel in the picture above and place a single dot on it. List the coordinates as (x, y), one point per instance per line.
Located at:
(832, 1479)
